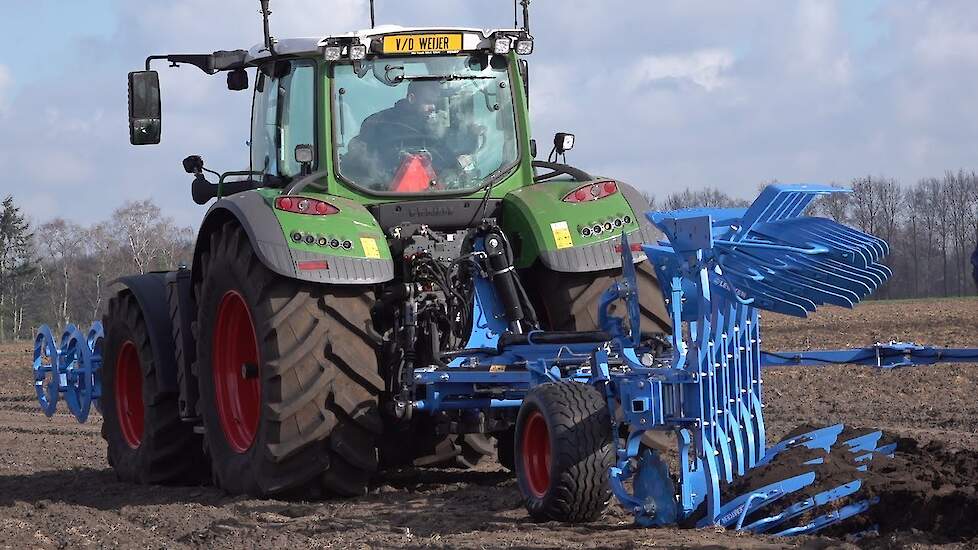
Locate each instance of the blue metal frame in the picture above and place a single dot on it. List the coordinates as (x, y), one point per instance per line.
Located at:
(73, 368)
(719, 268)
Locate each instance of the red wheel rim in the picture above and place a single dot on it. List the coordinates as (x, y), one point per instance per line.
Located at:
(536, 454)
(237, 381)
(129, 394)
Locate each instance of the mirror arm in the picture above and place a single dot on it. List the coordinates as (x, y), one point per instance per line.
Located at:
(210, 63)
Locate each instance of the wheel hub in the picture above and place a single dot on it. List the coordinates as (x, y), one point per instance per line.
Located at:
(536, 454)
(237, 381)
(129, 394)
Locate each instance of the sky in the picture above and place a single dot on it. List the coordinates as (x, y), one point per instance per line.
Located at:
(662, 94)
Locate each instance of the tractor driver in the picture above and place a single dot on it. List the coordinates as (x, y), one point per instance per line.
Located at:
(418, 124)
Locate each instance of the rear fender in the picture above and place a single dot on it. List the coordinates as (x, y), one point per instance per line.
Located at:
(150, 293)
(366, 261)
(560, 234)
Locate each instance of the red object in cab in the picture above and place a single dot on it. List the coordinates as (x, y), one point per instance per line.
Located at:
(415, 175)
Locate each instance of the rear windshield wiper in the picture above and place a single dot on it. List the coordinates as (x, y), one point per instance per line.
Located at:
(446, 77)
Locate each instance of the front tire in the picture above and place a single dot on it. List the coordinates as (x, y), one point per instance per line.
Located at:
(147, 442)
(563, 452)
(288, 377)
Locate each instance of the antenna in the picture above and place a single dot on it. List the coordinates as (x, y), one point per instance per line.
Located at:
(526, 15)
(265, 12)
(371, 14)
(516, 21)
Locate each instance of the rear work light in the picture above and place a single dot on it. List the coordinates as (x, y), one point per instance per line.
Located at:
(304, 205)
(358, 51)
(502, 45)
(592, 192)
(332, 53)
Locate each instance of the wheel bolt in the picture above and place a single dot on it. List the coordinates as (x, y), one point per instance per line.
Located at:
(249, 371)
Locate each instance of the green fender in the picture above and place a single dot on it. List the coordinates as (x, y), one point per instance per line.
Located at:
(347, 247)
(563, 236)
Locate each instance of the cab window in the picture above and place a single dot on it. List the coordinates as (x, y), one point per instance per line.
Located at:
(283, 116)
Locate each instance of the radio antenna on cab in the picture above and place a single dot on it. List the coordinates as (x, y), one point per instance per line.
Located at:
(265, 12)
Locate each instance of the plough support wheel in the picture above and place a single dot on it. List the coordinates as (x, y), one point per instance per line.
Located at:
(563, 452)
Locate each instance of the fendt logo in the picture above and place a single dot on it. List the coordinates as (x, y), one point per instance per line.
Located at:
(428, 211)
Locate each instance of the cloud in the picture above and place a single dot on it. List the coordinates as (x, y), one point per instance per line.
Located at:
(5, 82)
(704, 68)
(664, 94)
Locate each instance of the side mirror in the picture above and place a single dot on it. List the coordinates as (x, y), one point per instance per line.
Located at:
(238, 80)
(304, 155)
(193, 164)
(144, 108)
(563, 142)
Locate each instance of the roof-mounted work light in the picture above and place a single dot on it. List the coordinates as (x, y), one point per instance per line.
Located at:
(502, 45)
(358, 51)
(332, 53)
(524, 46)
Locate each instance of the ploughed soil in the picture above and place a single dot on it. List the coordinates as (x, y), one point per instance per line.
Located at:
(56, 489)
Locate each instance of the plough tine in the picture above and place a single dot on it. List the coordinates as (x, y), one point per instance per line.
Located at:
(865, 442)
(739, 508)
(821, 522)
(766, 524)
(822, 438)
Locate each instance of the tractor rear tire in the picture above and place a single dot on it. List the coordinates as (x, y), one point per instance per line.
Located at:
(147, 442)
(570, 301)
(288, 377)
(563, 452)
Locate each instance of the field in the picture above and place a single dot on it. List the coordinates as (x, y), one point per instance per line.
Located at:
(57, 491)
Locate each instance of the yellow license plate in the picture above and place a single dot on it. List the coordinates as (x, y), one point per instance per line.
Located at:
(422, 43)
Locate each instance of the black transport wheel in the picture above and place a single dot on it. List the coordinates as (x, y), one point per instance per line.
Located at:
(147, 442)
(288, 377)
(570, 301)
(563, 452)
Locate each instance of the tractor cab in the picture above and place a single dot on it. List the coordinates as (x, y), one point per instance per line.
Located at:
(425, 111)
(385, 113)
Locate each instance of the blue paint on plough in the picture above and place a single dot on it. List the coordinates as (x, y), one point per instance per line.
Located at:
(70, 368)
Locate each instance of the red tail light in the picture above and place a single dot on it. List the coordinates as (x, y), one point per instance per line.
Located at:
(634, 247)
(592, 192)
(304, 205)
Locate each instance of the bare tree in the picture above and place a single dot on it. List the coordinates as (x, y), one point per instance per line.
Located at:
(834, 206)
(152, 240)
(61, 244)
(705, 198)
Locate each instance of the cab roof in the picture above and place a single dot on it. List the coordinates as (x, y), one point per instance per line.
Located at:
(473, 39)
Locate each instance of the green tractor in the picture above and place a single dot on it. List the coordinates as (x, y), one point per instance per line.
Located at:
(333, 269)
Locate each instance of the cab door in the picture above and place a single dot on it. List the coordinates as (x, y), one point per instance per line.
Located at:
(283, 116)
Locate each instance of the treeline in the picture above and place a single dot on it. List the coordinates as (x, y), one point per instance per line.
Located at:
(59, 272)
